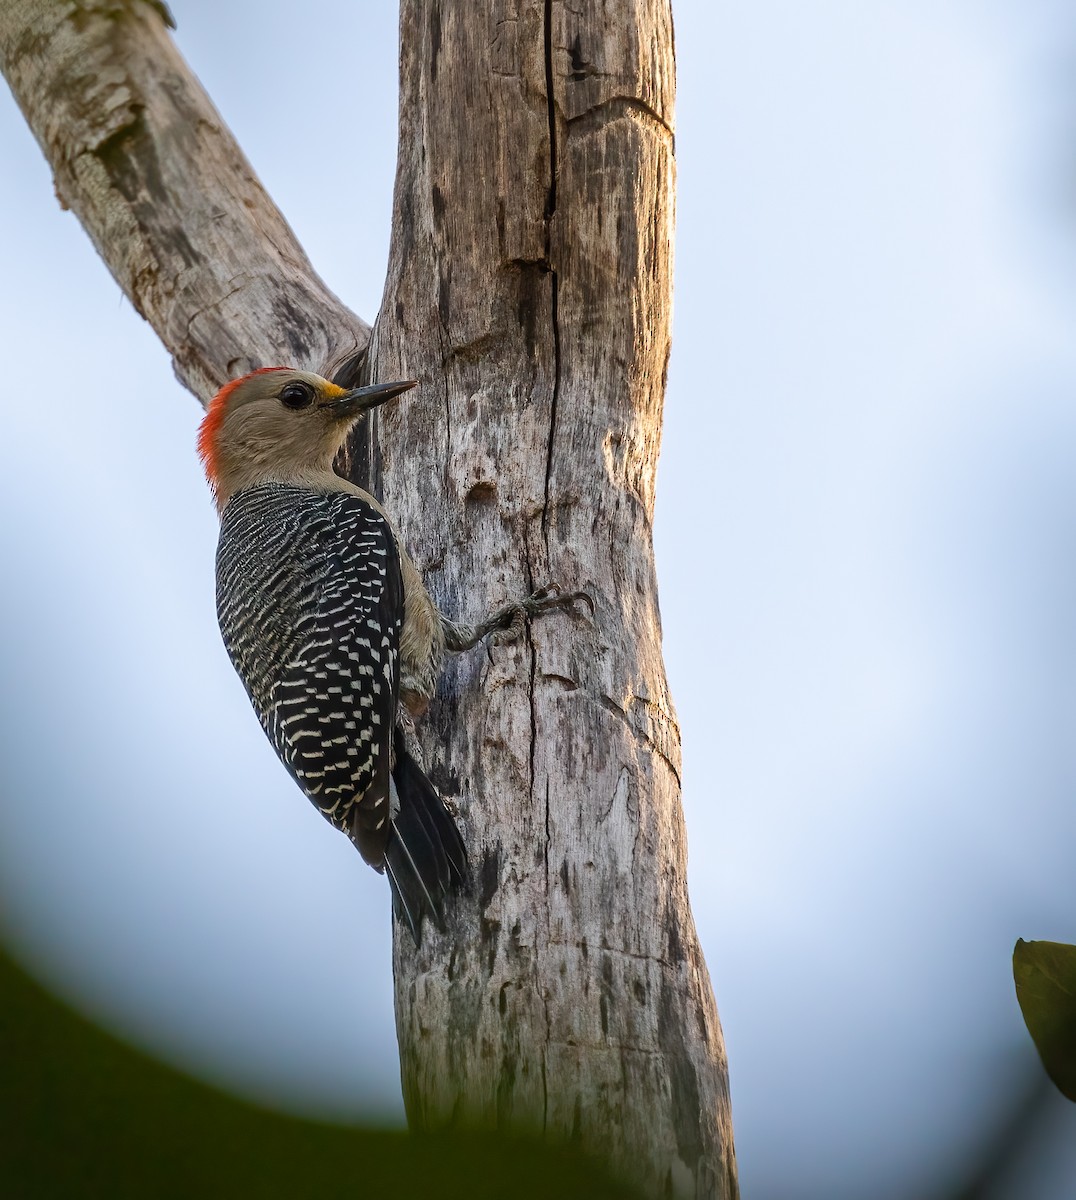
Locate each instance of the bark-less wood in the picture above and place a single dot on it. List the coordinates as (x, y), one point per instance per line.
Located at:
(173, 207)
(529, 291)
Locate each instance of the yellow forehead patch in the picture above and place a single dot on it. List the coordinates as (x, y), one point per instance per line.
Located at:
(331, 392)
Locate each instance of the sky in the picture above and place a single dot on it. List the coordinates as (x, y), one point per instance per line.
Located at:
(865, 540)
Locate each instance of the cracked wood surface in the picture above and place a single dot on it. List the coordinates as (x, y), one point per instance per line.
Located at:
(142, 157)
(529, 291)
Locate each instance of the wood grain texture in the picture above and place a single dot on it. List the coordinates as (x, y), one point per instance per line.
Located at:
(172, 205)
(529, 291)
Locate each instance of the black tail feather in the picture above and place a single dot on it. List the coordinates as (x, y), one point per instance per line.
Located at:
(425, 857)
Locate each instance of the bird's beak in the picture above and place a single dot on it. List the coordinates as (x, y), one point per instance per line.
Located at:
(362, 399)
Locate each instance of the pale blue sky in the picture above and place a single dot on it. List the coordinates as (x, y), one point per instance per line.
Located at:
(866, 527)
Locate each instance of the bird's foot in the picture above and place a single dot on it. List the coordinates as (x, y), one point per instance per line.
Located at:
(515, 616)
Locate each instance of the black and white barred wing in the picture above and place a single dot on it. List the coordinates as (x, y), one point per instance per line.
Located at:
(309, 597)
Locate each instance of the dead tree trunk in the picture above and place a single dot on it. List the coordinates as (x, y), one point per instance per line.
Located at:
(529, 291)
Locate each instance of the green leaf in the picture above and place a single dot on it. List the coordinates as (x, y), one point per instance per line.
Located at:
(1045, 974)
(83, 1115)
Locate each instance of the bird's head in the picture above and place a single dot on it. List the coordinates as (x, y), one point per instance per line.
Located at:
(277, 425)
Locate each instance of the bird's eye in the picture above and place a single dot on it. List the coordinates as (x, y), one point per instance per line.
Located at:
(297, 395)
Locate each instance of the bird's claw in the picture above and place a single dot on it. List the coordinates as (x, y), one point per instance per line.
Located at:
(513, 631)
(544, 600)
(553, 596)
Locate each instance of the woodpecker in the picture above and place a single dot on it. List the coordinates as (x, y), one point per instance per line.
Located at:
(329, 625)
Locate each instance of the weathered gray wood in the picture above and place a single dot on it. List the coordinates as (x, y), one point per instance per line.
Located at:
(529, 290)
(168, 198)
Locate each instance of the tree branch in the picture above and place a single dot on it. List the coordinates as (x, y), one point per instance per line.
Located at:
(529, 285)
(144, 160)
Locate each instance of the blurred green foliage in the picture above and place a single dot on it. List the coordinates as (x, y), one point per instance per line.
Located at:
(1045, 974)
(83, 1115)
